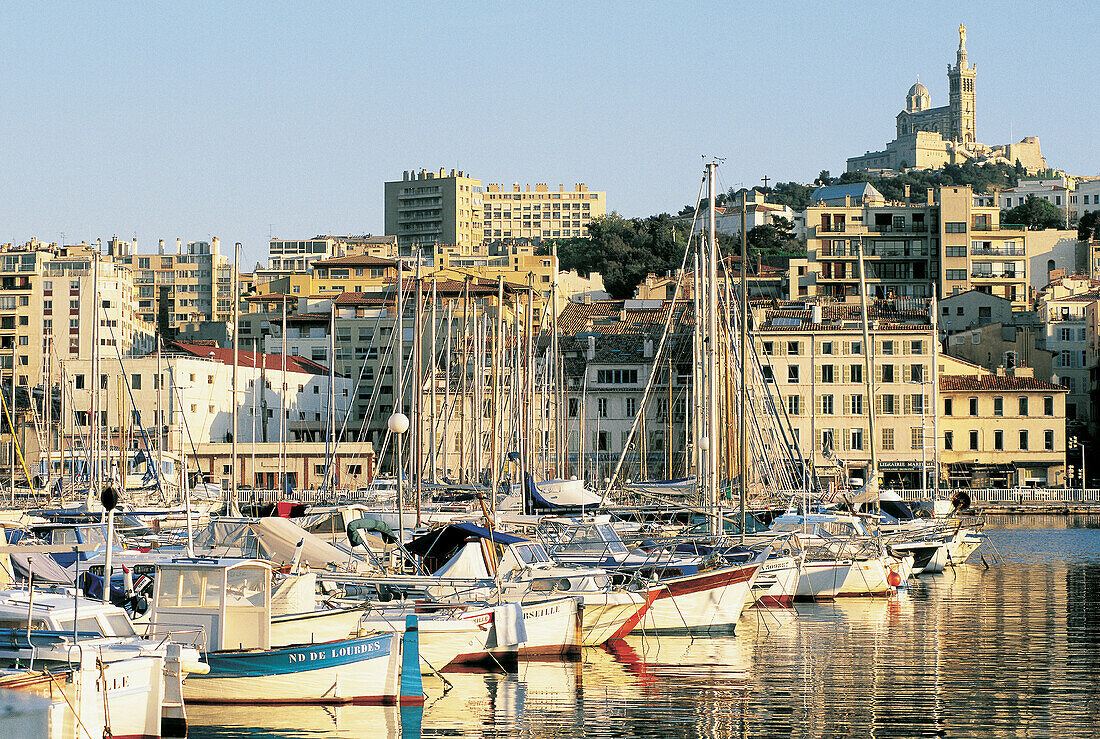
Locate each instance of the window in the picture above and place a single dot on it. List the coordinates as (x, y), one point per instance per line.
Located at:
(985, 312)
(827, 405)
(1048, 406)
(955, 274)
(998, 406)
(886, 403)
(617, 376)
(855, 406)
(135, 382)
(856, 372)
(888, 348)
(826, 347)
(631, 406)
(973, 441)
(857, 347)
(792, 373)
(601, 442)
(888, 439)
(955, 251)
(826, 440)
(767, 347)
(794, 405)
(916, 437)
(1048, 440)
(766, 370)
(954, 227)
(826, 373)
(887, 373)
(1022, 402)
(794, 347)
(601, 407)
(973, 406)
(948, 440)
(1023, 441)
(947, 406)
(916, 372)
(857, 439)
(574, 407)
(999, 440)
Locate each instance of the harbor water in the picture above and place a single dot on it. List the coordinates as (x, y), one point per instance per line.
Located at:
(1012, 650)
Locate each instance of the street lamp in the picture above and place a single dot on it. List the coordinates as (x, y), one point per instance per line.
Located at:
(398, 424)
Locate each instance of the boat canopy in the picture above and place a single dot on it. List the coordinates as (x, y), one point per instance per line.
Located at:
(443, 541)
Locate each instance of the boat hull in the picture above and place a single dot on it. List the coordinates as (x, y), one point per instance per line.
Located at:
(777, 582)
(362, 670)
(707, 601)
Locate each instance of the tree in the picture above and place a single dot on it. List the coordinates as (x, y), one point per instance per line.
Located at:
(1035, 214)
(1088, 227)
(823, 178)
(794, 195)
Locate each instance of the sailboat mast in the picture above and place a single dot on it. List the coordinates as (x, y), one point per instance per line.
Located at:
(743, 397)
(330, 439)
(869, 369)
(935, 375)
(282, 404)
(416, 445)
(236, 349)
(433, 450)
(712, 346)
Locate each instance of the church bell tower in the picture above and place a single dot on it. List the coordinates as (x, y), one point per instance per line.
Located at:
(961, 102)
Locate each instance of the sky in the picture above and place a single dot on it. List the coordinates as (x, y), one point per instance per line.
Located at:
(245, 120)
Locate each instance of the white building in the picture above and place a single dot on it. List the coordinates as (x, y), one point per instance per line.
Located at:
(195, 396)
(1056, 190)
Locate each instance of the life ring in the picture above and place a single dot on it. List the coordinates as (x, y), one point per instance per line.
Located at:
(960, 501)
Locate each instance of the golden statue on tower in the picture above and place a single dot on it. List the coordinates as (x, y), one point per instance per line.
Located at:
(962, 36)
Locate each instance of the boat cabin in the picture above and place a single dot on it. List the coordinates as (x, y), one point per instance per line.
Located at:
(229, 600)
(63, 610)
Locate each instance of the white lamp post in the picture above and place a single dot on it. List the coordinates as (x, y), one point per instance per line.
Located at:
(398, 424)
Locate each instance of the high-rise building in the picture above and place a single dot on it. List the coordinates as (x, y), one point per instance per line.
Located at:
(425, 208)
(541, 213)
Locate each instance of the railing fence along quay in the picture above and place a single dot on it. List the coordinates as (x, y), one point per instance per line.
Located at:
(978, 496)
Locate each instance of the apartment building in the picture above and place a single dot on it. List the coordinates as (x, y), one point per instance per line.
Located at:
(298, 255)
(193, 285)
(1001, 429)
(815, 359)
(1058, 191)
(1070, 327)
(425, 208)
(540, 213)
(50, 295)
(951, 240)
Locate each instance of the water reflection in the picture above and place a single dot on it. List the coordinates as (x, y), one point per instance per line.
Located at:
(1009, 651)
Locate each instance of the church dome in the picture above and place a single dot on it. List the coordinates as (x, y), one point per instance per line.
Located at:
(918, 98)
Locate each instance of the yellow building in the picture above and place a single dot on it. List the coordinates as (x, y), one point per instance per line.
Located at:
(425, 208)
(1002, 429)
(813, 358)
(542, 213)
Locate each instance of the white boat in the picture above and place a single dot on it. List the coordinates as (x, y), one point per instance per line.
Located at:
(86, 645)
(229, 600)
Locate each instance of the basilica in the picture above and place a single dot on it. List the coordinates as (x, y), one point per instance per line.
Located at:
(929, 138)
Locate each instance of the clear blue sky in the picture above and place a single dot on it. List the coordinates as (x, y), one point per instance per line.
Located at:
(240, 119)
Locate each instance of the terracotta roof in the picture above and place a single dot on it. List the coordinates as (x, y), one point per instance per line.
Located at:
(995, 382)
(354, 260)
(612, 317)
(270, 362)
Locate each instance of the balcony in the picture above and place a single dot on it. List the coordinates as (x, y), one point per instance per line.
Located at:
(998, 251)
(912, 228)
(1066, 317)
(988, 227)
(998, 275)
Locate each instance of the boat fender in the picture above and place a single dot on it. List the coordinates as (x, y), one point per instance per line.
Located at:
(893, 578)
